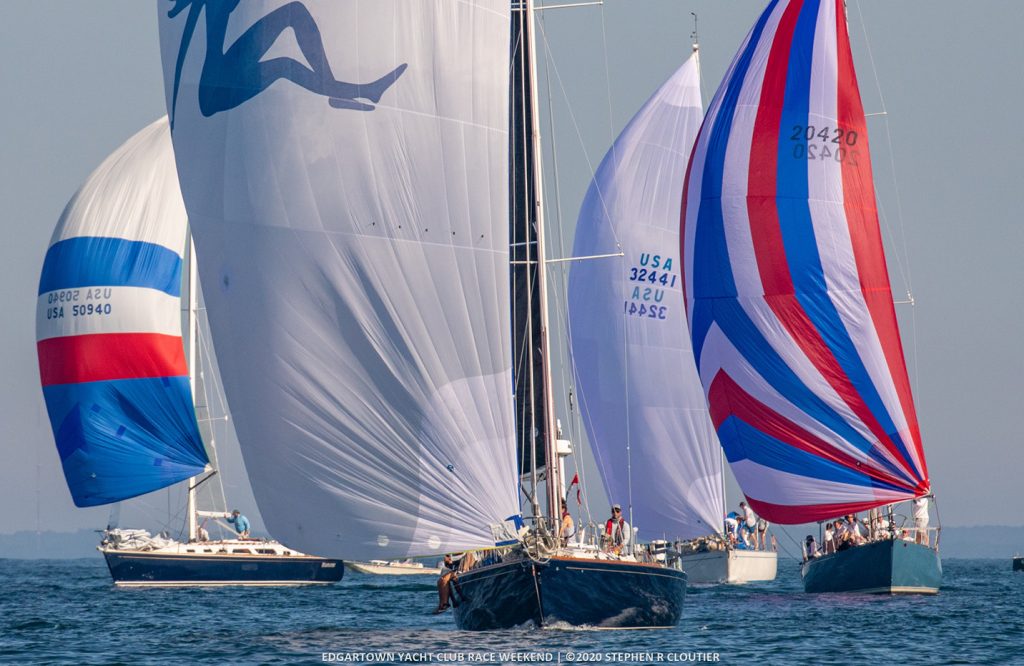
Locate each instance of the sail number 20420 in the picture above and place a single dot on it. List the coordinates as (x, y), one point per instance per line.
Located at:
(824, 143)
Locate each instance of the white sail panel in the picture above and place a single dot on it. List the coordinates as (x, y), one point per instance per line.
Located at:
(344, 165)
(637, 381)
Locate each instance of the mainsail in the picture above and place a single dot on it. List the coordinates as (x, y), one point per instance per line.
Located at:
(636, 379)
(346, 179)
(788, 297)
(108, 329)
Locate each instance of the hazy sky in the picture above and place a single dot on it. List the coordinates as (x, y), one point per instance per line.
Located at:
(78, 78)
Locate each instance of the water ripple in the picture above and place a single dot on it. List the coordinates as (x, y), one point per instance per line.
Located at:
(68, 612)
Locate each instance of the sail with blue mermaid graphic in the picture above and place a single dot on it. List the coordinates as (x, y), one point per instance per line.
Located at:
(789, 304)
(346, 180)
(108, 329)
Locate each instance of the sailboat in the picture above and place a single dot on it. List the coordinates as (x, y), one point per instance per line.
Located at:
(789, 304)
(380, 314)
(393, 568)
(118, 386)
(640, 397)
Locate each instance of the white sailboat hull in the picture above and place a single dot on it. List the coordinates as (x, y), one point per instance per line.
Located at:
(393, 569)
(732, 566)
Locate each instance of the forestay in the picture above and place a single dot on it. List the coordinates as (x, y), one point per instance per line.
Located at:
(789, 303)
(344, 165)
(636, 379)
(108, 329)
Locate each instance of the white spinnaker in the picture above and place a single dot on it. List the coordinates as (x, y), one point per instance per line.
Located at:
(355, 252)
(636, 375)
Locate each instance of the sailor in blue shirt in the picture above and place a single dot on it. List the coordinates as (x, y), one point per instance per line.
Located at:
(240, 522)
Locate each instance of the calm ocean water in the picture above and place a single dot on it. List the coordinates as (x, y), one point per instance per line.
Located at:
(54, 612)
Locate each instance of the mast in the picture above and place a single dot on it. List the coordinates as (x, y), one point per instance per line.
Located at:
(535, 430)
(190, 508)
(534, 182)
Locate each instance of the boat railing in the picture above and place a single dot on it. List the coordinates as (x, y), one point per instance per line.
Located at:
(926, 536)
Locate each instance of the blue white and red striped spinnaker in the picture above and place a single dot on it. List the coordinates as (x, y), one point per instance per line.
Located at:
(788, 298)
(108, 329)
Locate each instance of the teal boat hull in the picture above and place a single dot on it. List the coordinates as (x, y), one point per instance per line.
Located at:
(884, 567)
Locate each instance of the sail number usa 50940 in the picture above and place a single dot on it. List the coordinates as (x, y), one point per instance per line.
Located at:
(78, 303)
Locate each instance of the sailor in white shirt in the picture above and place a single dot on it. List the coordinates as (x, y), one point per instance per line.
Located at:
(921, 520)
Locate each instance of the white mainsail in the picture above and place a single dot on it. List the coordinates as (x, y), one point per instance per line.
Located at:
(346, 181)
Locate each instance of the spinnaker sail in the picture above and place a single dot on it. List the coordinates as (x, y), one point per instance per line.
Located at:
(108, 329)
(347, 183)
(641, 400)
(789, 303)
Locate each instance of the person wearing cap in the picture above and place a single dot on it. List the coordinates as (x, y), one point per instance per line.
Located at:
(448, 574)
(617, 531)
(241, 524)
(732, 526)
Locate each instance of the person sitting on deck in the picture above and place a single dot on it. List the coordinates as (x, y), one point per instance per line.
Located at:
(241, 524)
(617, 531)
(448, 574)
(568, 528)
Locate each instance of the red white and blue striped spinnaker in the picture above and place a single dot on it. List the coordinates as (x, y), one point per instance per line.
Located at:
(787, 292)
(108, 329)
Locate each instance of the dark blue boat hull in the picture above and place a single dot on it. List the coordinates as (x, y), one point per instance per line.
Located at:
(139, 569)
(893, 566)
(1018, 564)
(578, 592)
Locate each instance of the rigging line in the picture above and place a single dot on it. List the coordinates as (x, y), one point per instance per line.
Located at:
(559, 297)
(888, 135)
(795, 544)
(561, 302)
(905, 258)
(591, 169)
(206, 363)
(625, 331)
